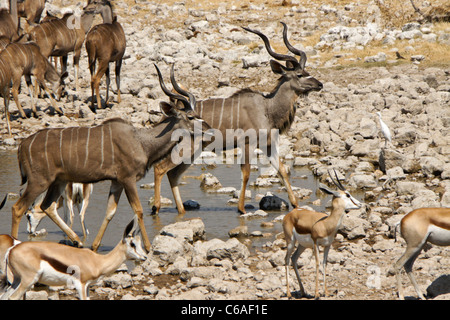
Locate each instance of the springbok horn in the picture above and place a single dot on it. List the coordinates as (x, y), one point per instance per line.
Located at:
(3, 202)
(336, 182)
(292, 49)
(180, 90)
(278, 56)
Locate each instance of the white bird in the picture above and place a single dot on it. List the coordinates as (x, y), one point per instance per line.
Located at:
(384, 130)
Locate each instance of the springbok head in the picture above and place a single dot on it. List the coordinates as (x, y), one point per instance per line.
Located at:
(345, 199)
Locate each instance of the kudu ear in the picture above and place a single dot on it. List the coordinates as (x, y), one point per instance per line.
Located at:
(168, 108)
(277, 67)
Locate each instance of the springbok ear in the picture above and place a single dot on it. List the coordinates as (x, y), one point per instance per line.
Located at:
(325, 189)
(277, 67)
(168, 108)
(131, 228)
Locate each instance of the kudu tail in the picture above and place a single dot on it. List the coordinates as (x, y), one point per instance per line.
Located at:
(92, 54)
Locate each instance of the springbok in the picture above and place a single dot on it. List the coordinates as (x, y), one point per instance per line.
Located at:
(417, 228)
(249, 110)
(9, 21)
(52, 263)
(59, 37)
(6, 243)
(114, 150)
(26, 59)
(105, 43)
(312, 229)
(74, 194)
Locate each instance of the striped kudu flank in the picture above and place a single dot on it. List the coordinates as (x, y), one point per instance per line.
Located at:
(59, 37)
(25, 59)
(105, 43)
(249, 110)
(114, 150)
(9, 21)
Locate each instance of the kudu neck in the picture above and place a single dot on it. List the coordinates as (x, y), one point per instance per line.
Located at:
(280, 105)
(14, 13)
(87, 19)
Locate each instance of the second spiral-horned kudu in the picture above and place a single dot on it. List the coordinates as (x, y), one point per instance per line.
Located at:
(247, 111)
(114, 150)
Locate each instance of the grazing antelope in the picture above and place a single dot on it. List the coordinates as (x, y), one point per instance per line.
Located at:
(26, 59)
(312, 229)
(9, 21)
(417, 228)
(105, 43)
(113, 150)
(74, 194)
(59, 37)
(249, 110)
(52, 263)
(31, 10)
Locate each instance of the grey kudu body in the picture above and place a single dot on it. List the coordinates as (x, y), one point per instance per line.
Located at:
(114, 150)
(105, 43)
(250, 110)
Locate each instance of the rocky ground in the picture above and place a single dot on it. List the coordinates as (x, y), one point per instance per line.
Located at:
(368, 62)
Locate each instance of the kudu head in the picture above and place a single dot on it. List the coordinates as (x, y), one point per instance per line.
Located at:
(294, 71)
(181, 106)
(343, 198)
(56, 80)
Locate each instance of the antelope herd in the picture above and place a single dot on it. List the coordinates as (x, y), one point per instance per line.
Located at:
(57, 163)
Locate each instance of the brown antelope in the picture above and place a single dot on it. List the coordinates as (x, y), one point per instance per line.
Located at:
(52, 263)
(59, 37)
(6, 243)
(74, 194)
(105, 43)
(9, 21)
(312, 229)
(113, 150)
(5, 84)
(26, 59)
(417, 228)
(249, 110)
(31, 10)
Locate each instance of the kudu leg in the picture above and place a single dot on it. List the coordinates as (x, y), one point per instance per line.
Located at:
(50, 205)
(7, 115)
(174, 177)
(113, 199)
(282, 174)
(30, 91)
(118, 67)
(245, 169)
(15, 93)
(108, 82)
(133, 199)
(102, 66)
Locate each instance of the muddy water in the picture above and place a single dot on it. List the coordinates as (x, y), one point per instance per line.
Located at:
(218, 217)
